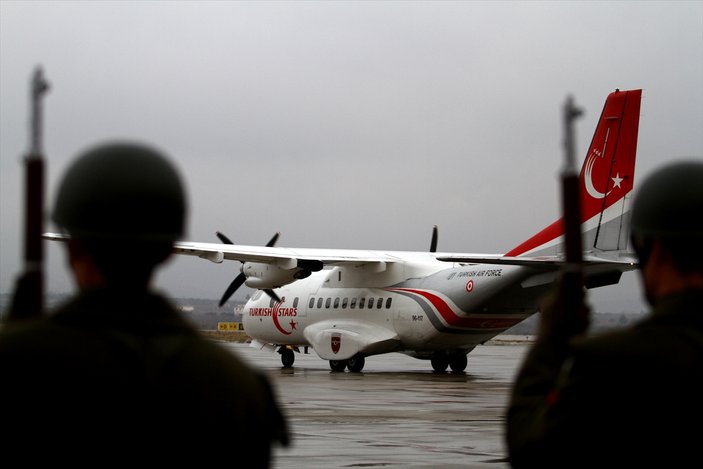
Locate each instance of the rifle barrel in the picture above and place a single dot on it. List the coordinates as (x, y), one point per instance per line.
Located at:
(571, 201)
(28, 299)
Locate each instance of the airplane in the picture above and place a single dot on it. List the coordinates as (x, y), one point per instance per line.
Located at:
(347, 305)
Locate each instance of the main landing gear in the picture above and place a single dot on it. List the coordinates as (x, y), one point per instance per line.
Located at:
(457, 362)
(355, 364)
(287, 357)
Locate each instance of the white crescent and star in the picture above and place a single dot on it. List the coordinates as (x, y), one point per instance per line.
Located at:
(588, 178)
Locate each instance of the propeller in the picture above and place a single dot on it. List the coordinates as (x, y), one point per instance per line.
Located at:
(239, 279)
(433, 243)
(273, 295)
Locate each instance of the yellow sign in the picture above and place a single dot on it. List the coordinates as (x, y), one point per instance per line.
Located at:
(230, 326)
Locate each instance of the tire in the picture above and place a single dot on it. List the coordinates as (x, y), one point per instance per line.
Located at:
(458, 362)
(287, 358)
(356, 363)
(338, 365)
(439, 363)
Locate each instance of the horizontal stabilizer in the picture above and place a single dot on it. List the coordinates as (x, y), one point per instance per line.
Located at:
(544, 262)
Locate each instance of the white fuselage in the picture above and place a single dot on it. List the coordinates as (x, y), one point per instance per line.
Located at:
(412, 307)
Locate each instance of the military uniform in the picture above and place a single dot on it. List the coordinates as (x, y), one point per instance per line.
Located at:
(631, 397)
(122, 375)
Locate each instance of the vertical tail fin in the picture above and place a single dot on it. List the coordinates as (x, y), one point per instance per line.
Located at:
(606, 182)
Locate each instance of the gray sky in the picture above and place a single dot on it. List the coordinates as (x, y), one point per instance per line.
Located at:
(344, 124)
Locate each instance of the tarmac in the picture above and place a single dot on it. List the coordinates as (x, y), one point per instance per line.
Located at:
(397, 413)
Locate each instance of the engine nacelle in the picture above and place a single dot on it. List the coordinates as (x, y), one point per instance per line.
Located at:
(267, 276)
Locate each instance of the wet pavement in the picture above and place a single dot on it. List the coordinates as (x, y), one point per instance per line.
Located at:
(397, 413)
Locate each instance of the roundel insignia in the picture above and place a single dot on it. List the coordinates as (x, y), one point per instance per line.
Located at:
(470, 286)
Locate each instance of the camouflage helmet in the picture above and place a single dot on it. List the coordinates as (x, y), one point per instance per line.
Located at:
(669, 203)
(123, 191)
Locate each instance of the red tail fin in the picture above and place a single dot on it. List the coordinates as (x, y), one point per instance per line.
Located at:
(609, 170)
(606, 178)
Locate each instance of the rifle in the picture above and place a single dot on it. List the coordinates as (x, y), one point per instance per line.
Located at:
(572, 272)
(28, 298)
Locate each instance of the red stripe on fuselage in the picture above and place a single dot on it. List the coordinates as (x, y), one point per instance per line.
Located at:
(451, 318)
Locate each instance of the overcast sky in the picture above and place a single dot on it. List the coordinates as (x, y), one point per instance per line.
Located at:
(344, 124)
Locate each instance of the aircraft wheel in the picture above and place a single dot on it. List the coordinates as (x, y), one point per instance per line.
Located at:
(439, 363)
(338, 365)
(287, 357)
(356, 363)
(458, 362)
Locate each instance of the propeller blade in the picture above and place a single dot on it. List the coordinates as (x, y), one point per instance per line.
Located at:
(223, 238)
(226, 240)
(273, 295)
(236, 283)
(433, 243)
(273, 240)
(239, 279)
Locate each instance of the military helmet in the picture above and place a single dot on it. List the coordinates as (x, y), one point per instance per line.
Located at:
(121, 190)
(669, 203)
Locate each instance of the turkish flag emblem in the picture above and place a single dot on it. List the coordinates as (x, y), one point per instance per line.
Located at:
(336, 342)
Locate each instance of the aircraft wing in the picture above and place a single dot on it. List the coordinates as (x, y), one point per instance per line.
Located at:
(280, 255)
(217, 253)
(269, 255)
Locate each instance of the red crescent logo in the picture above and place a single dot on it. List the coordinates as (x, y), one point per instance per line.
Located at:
(274, 316)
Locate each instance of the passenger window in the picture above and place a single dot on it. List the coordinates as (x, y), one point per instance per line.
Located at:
(361, 302)
(370, 303)
(312, 302)
(388, 303)
(336, 302)
(328, 302)
(379, 305)
(352, 303)
(344, 302)
(295, 302)
(271, 302)
(319, 303)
